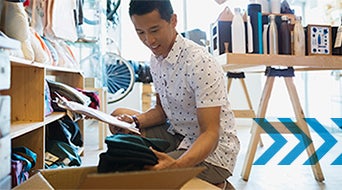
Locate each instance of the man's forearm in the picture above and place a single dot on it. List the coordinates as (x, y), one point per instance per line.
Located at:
(152, 117)
(199, 151)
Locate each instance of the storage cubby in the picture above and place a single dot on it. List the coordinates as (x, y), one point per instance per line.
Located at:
(28, 120)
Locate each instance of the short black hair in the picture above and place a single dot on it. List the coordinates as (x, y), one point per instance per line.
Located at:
(141, 7)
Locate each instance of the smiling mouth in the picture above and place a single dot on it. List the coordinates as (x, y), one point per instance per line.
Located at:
(154, 47)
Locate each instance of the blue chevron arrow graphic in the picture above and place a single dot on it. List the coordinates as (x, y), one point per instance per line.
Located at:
(338, 122)
(279, 141)
(329, 141)
(304, 141)
(338, 160)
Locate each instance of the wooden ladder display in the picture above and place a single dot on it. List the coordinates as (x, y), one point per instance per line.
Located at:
(287, 75)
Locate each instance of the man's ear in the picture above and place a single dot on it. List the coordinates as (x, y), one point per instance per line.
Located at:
(173, 20)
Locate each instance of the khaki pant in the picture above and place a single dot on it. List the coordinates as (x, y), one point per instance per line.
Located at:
(213, 174)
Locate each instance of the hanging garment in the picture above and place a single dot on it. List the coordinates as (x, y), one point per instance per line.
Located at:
(62, 26)
(39, 15)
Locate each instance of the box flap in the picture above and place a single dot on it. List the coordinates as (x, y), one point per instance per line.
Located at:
(197, 183)
(67, 178)
(88, 178)
(37, 181)
(162, 179)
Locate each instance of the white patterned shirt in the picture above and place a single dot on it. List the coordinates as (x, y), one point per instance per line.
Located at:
(190, 78)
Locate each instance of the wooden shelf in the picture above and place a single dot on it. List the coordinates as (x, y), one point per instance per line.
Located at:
(27, 92)
(52, 68)
(19, 62)
(19, 128)
(257, 62)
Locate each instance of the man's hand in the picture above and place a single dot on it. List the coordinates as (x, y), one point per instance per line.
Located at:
(164, 161)
(123, 117)
(114, 130)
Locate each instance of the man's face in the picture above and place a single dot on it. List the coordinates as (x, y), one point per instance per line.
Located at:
(157, 34)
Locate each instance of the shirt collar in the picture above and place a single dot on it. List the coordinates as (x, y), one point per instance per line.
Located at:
(175, 51)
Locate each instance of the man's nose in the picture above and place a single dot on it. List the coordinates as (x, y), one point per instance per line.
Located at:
(149, 39)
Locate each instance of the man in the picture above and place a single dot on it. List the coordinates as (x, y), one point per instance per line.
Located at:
(192, 110)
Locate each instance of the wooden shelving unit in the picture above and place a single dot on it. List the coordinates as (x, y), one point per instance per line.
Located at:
(28, 120)
(257, 62)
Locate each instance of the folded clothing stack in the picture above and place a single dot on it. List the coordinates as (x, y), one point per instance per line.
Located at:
(22, 161)
(127, 152)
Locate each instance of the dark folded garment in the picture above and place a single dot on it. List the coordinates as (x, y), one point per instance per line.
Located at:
(128, 152)
(109, 163)
(135, 142)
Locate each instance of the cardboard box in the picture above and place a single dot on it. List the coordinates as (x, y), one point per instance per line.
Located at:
(88, 178)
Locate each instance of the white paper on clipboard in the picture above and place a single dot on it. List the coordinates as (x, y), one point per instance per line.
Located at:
(93, 113)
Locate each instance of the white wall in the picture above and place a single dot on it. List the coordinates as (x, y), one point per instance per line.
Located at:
(132, 100)
(319, 92)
